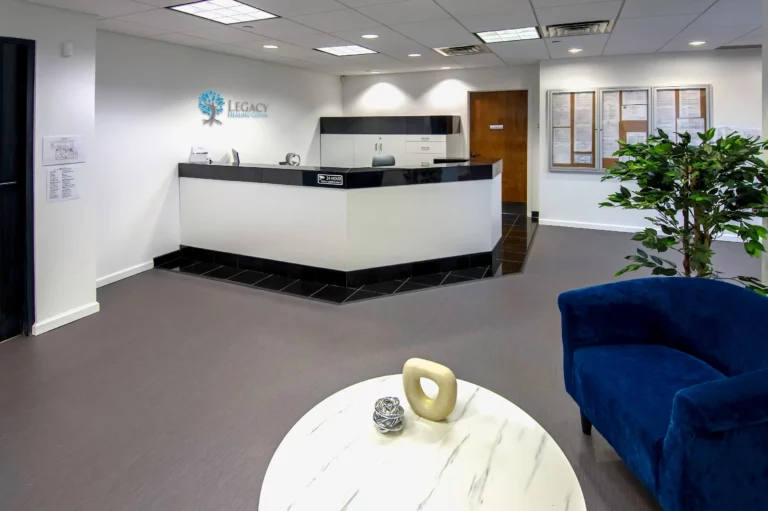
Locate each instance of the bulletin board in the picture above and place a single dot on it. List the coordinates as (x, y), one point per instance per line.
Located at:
(572, 130)
(625, 114)
(680, 109)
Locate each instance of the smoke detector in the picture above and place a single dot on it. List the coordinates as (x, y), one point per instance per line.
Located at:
(580, 28)
(462, 51)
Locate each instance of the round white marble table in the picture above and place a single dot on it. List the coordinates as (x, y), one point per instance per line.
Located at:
(488, 455)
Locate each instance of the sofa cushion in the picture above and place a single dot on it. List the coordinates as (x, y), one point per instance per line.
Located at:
(627, 392)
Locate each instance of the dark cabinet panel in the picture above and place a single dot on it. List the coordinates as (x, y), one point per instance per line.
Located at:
(392, 125)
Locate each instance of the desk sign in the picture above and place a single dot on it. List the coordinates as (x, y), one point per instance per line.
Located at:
(497, 126)
(330, 180)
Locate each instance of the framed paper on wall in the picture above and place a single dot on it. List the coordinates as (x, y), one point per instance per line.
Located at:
(680, 109)
(625, 114)
(573, 142)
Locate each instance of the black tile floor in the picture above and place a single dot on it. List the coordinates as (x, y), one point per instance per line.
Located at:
(517, 235)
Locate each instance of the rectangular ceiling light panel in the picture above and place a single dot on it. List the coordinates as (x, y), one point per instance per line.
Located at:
(346, 51)
(512, 34)
(224, 11)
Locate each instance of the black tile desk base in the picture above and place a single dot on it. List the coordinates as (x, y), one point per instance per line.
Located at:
(517, 236)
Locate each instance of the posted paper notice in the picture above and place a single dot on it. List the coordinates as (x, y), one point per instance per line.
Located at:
(561, 146)
(585, 159)
(62, 184)
(634, 112)
(610, 133)
(634, 97)
(582, 118)
(665, 112)
(63, 150)
(561, 116)
(690, 104)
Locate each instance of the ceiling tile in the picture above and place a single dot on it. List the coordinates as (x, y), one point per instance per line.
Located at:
(753, 38)
(580, 12)
(484, 60)
(733, 13)
(476, 7)
(278, 27)
(437, 34)
(224, 34)
(521, 52)
(405, 12)
(101, 8)
(520, 18)
(555, 3)
(169, 20)
(389, 42)
(714, 35)
(114, 25)
(186, 40)
(333, 21)
(659, 8)
(592, 45)
(163, 3)
(360, 3)
(290, 8)
(645, 35)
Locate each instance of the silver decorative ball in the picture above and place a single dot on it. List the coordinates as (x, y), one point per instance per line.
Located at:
(388, 415)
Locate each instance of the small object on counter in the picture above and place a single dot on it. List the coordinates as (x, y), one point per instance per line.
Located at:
(432, 409)
(292, 159)
(388, 415)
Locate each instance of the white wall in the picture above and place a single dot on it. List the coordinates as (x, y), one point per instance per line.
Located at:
(735, 75)
(147, 119)
(65, 255)
(446, 93)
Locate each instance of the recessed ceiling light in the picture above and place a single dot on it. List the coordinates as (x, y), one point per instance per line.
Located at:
(370, 36)
(414, 54)
(446, 67)
(697, 43)
(346, 51)
(271, 46)
(223, 11)
(374, 72)
(575, 50)
(512, 34)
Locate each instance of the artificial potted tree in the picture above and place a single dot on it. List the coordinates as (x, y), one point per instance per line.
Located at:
(698, 192)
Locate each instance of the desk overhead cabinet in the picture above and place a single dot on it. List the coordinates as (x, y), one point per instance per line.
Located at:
(413, 141)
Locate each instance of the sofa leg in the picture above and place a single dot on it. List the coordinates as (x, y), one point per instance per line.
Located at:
(586, 426)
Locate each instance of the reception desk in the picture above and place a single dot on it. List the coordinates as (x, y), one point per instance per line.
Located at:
(343, 226)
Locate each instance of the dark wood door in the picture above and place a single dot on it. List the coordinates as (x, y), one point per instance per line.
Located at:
(499, 129)
(15, 164)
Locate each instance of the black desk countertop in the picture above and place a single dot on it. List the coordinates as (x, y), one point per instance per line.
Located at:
(342, 177)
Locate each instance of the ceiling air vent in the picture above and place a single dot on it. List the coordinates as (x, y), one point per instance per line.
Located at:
(740, 47)
(580, 28)
(461, 51)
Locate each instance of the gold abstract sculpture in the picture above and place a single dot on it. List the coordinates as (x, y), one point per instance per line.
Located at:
(433, 409)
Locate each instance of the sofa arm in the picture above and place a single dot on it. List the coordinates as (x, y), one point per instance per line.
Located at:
(722, 405)
(617, 313)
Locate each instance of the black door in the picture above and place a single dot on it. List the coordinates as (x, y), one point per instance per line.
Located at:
(16, 91)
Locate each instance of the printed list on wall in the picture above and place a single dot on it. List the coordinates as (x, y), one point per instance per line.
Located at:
(62, 184)
(60, 153)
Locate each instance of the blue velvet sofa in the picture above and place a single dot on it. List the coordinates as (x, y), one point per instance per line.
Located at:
(673, 372)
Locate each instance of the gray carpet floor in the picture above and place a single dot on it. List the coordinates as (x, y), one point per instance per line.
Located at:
(175, 396)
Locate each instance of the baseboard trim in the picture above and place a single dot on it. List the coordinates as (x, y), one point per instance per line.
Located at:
(64, 318)
(614, 228)
(124, 274)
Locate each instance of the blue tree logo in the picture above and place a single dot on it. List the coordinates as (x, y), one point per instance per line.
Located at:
(211, 104)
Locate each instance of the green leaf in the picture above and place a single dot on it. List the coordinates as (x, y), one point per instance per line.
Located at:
(625, 192)
(631, 267)
(642, 253)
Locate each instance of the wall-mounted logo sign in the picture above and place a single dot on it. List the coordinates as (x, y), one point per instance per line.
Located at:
(212, 104)
(330, 180)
